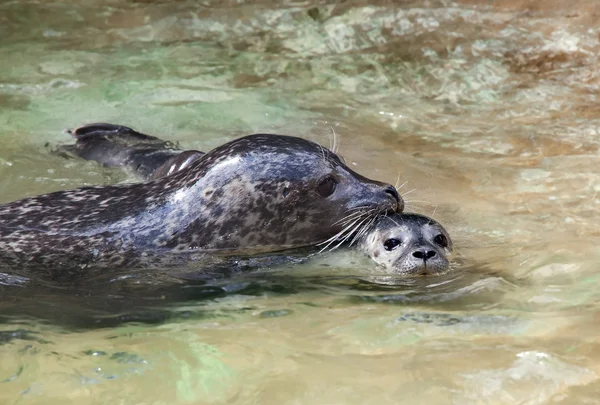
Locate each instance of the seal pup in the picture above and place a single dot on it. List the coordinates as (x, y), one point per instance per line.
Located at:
(256, 194)
(408, 244)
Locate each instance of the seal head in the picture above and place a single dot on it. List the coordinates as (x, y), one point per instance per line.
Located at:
(408, 245)
(270, 192)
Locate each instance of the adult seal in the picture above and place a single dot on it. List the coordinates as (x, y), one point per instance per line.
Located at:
(256, 194)
(408, 245)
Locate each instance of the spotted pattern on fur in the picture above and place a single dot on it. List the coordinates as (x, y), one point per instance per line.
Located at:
(230, 201)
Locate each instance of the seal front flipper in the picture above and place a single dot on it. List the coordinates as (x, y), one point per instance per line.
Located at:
(119, 146)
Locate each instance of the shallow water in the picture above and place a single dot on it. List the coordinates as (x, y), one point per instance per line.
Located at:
(488, 110)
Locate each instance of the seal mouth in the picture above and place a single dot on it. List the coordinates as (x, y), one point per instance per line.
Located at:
(426, 269)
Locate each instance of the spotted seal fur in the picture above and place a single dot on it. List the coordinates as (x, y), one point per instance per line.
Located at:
(408, 244)
(259, 193)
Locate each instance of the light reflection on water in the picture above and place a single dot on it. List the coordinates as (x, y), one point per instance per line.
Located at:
(489, 112)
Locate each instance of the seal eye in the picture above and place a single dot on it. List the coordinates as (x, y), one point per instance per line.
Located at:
(441, 240)
(391, 244)
(327, 186)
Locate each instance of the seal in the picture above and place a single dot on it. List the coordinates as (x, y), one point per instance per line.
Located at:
(407, 244)
(256, 194)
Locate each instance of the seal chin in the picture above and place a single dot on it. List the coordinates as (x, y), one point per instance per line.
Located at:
(406, 267)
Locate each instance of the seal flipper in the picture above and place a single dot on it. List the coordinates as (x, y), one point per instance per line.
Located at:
(119, 146)
(175, 163)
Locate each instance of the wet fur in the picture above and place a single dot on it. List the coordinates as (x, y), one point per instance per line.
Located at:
(229, 201)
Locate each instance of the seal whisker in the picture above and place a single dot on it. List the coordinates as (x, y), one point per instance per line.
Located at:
(398, 187)
(414, 204)
(391, 219)
(337, 235)
(323, 152)
(350, 220)
(397, 184)
(354, 213)
(434, 210)
(350, 233)
(348, 217)
(361, 207)
(334, 238)
(367, 227)
(411, 205)
(408, 192)
(363, 230)
(333, 147)
(363, 227)
(357, 215)
(367, 214)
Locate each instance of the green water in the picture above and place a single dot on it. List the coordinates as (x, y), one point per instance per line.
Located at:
(488, 110)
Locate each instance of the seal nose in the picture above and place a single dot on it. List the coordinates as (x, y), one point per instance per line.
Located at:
(424, 254)
(392, 192)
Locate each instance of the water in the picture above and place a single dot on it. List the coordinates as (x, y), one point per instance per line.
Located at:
(488, 110)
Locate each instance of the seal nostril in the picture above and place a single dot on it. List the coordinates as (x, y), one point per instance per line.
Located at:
(424, 254)
(393, 192)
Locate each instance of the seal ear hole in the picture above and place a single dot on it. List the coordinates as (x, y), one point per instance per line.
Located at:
(391, 244)
(327, 186)
(441, 240)
(286, 191)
